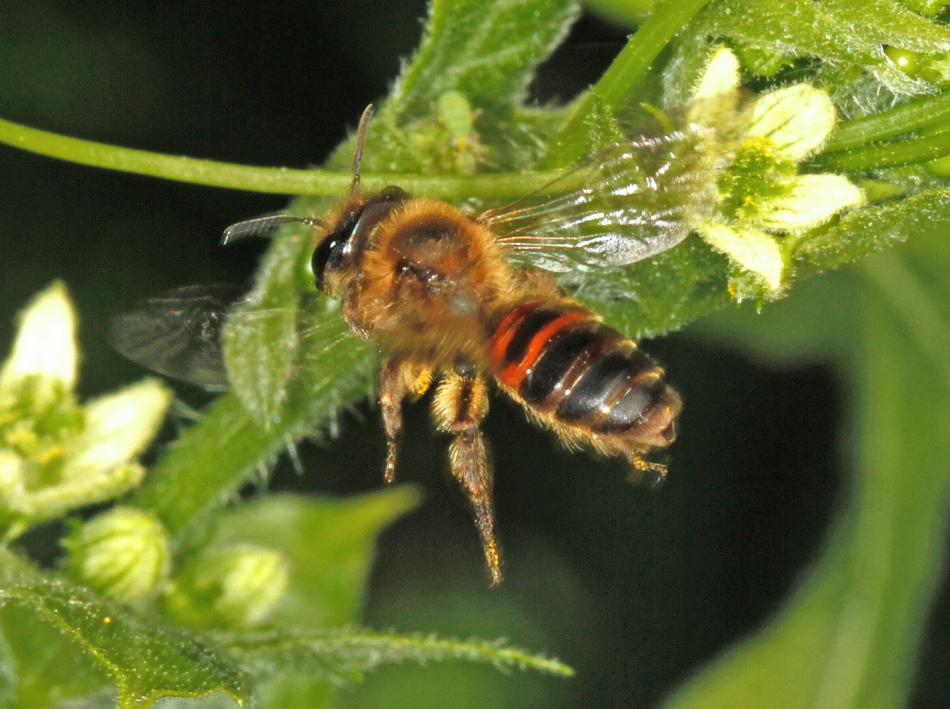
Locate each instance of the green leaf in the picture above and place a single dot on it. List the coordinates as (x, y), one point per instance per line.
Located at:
(145, 659)
(902, 119)
(209, 462)
(487, 51)
(260, 338)
(844, 32)
(330, 544)
(33, 651)
(849, 636)
(871, 228)
(345, 655)
(660, 294)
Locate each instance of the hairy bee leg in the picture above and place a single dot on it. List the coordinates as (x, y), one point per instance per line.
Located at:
(460, 405)
(646, 471)
(398, 378)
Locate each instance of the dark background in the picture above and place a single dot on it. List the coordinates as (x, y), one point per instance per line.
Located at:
(635, 588)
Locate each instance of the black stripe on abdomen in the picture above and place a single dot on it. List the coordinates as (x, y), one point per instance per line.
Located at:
(589, 375)
(545, 381)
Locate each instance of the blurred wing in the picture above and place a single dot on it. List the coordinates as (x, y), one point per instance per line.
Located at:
(635, 199)
(178, 333)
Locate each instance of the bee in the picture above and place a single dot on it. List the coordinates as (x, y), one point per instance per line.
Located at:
(466, 300)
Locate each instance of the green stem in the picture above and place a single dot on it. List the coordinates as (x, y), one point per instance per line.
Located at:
(210, 461)
(617, 85)
(627, 12)
(897, 121)
(892, 154)
(280, 180)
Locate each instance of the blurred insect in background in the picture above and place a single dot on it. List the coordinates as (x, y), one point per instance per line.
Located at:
(464, 300)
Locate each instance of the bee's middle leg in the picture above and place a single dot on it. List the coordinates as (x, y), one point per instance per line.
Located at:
(398, 378)
(460, 404)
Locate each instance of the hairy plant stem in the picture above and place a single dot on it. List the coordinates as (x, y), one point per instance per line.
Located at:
(891, 154)
(618, 84)
(888, 124)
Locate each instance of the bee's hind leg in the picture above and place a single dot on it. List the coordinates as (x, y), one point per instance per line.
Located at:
(398, 378)
(460, 404)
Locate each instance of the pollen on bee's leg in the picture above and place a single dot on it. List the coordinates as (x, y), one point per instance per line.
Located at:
(646, 471)
(421, 382)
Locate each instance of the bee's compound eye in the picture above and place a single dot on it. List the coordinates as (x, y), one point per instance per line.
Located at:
(329, 252)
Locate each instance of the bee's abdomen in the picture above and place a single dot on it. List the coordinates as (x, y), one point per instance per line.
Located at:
(562, 362)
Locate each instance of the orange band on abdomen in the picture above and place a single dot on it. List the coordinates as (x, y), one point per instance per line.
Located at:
(505, 331)
(512, 374)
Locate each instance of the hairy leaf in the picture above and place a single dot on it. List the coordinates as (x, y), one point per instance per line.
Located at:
(145, 659)
(344, 655)
(844, 32)
(260, 340)
(209, 462)
(33, 651)
(488, 52)
(872, 228)
(330, 545)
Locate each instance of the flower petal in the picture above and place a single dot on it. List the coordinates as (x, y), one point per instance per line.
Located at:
(58, 499)
(45, 342)
(717, 91)
(12, 477)
(752, 249)
(811, 200)
(118, 427)
(797, 119)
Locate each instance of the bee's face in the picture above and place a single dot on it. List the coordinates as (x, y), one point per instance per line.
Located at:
(335, 250)
(338, 252)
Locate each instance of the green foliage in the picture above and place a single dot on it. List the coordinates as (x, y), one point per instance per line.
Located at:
(345, 655)
(849, 636)
(146, 659)
(846, 639)
(846, 33)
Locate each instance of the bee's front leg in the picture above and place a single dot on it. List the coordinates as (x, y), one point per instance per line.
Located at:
(460, 404)
(398, 378)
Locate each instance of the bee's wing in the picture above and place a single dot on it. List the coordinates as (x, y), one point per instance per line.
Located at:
(178, 333)
(634, 199)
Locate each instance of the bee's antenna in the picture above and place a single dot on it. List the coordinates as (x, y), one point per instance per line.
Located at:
(260, 226)
(360, 141)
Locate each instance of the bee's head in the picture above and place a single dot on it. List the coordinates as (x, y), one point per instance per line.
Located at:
(341, 247)
(335, 246)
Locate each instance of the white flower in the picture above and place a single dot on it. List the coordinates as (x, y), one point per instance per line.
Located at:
(761, 193)
(751, 248)
(45, 344)
(56, 455)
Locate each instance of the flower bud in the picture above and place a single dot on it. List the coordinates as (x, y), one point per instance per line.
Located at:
(123, 553)
(237, 586)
